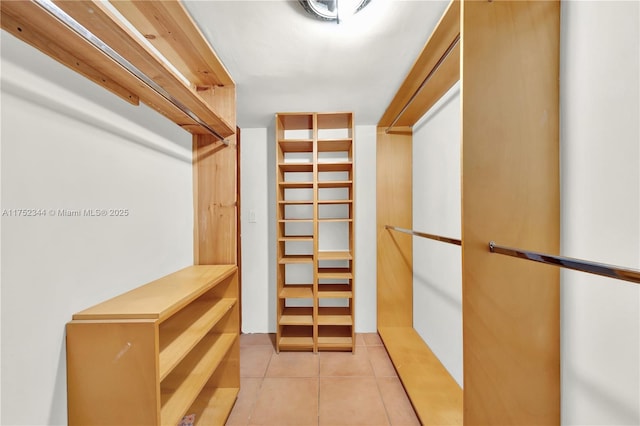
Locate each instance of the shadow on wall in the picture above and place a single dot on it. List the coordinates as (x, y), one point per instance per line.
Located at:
(436, 290)
(58, 408)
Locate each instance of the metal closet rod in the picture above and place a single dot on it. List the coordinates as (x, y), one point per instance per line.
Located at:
(611, 271)
(88, 36)
(425, 235)
(435, 68)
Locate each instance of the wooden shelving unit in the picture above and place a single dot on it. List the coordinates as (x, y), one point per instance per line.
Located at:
(159, 352)
(506, 56)
(315, 256)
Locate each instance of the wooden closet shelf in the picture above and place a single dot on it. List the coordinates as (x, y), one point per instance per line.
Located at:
(335, 184)
(296, 291)
(297, 316)
(295, 185)
(294, 202)
(296, 258)
(334, 219)
(296, 145)
(296, 338)
(157, 300)
(213, 405)
(334, 273)
(335, 167)
(180, 388)
(298, 238)
(334, 291)
(296, 167)
(331, 146)
(434, 394)
(183, 331)
(335, 201)
(335, 145)
(335, 316)
(335, 255)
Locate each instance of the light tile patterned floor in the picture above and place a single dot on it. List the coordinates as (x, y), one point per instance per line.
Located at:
(328, 388)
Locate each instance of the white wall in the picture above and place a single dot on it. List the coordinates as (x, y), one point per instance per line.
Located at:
(258, 170)
(437, 266)
(69, 144)
(600, 175)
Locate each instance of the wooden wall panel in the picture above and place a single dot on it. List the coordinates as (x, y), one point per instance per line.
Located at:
(215, 207)
(395, 250)
(510, 194)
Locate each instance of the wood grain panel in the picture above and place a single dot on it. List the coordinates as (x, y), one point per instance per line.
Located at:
(446, 31)
(510, 194)
(435, 395)
(215, 209)
(96, 18)
(170, 29)
(30, 32)
(121, 350)
(395, 251)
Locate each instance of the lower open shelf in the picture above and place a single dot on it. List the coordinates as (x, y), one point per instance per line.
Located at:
(213, 405)
(296, 338)
(434, 394)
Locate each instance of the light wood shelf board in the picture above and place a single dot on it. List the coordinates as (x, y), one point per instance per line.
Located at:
(295, 120)
(335, 184)
(335, 201)
(102, 23)
(180, 389)
(335, 120)
(435, 395)
(170, 29)
(334, 291)
(295, 220)
(213, 406)
(296, 167)
(296, 145)
(183, 331)
(335, 316)
(335, 145)
(298, 238)
(335, 255)
(161, 298)
(296, 291)
(335, 275)
(294, 202)
(32, 31)
(296, 258)
(293, 185)
(297, 316)
(445, 32)
(342, 166)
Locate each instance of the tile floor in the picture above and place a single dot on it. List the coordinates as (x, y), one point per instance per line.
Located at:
(328, 388)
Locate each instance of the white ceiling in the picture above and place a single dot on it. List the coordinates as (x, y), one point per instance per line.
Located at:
(283, 60)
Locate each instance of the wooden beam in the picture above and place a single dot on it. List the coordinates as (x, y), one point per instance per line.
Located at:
(445, 33)
(31, 24)
(36, 26)
(170, 29)
(101, 22)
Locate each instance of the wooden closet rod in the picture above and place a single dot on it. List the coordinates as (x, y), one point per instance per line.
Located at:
(605, 270)
(88, 36)
(435, 68)
(424, 235)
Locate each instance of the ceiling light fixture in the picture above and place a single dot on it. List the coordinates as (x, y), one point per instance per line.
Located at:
(333, 10)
